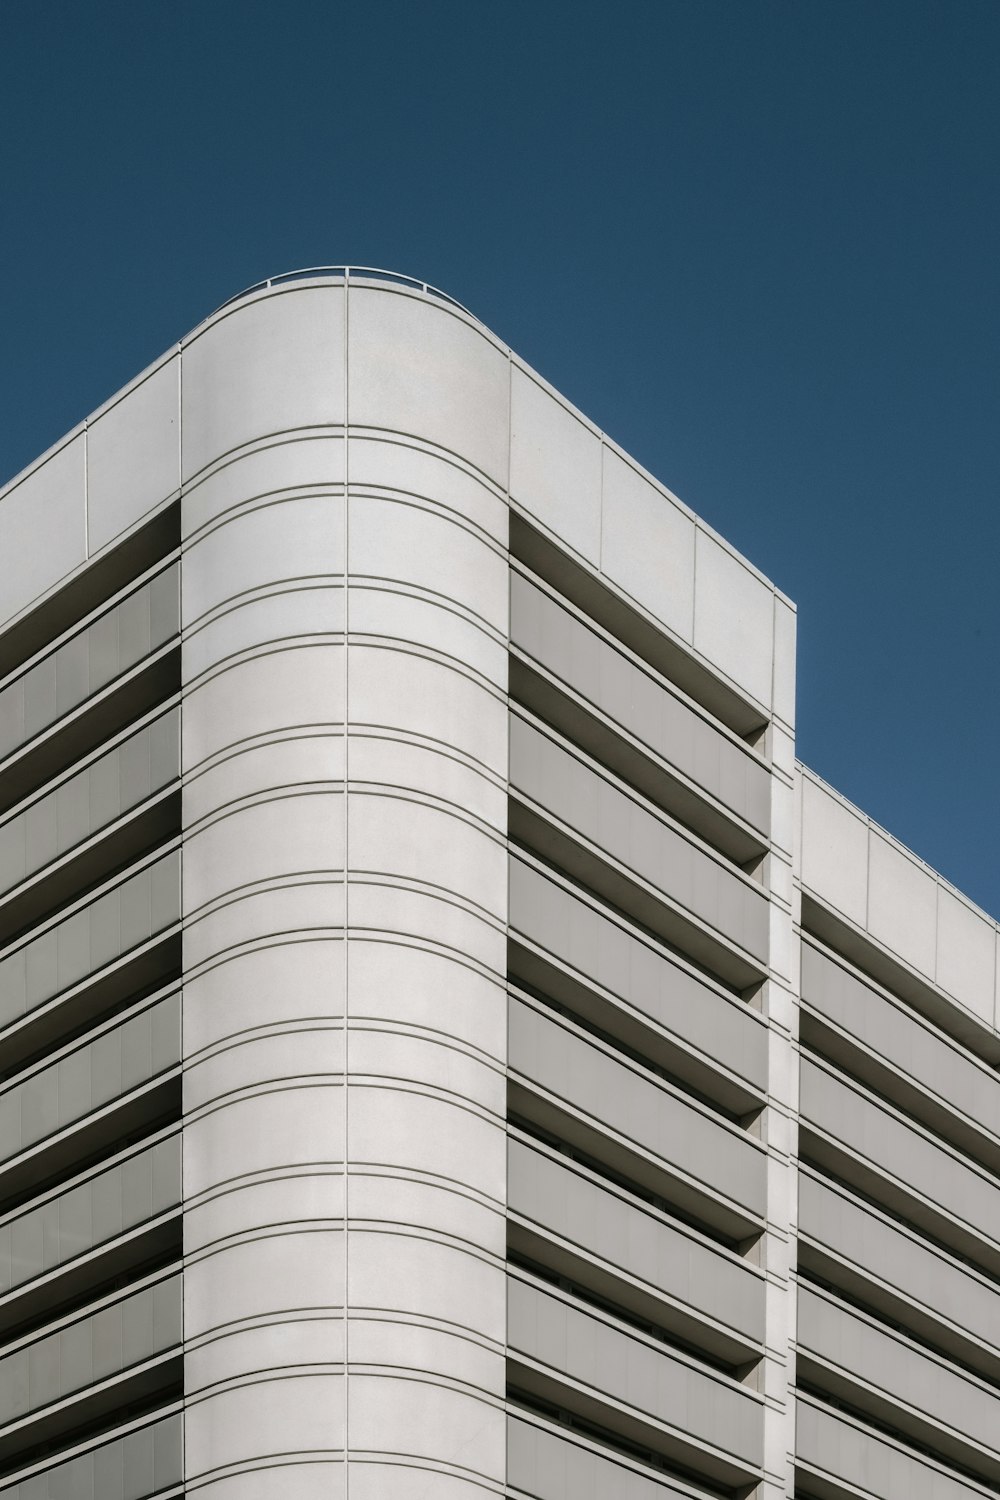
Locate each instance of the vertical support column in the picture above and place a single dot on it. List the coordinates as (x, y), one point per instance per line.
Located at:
(263, 862)
(345, 898)
(426, 902)
(782, 999)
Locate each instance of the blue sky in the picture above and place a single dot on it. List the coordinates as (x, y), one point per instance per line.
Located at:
(755, 240)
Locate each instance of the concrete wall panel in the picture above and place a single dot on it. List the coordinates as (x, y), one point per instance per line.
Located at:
(436, 700)
(423, 918)
(387, 1341)
(310, 910)
(243, 1426)
(650, 1380)
(555, 465)
(423, 547)
(305, 1052)
(51, 495)
(395, 463)
(317, 1480)
(270, 1130)
(421, 371)
(863, 1461)
(555, 1465)
(895, 1033)
(269, 365)
(262, 548)
(430, 1133)
(966, 953)
(311, 1199)
(274, 983)
(785, 630)
(664, 1256)
(645, 707)
(914, 1159)
(834, 860)
(897, 1258)
(312, 463)
(438, 997)
(914, 1382)
(853, 866)
(601, 950)
(655, 1120)
(271, 623)
(902, 903)
(287, 688)
(415, 841)
(305, 761)
(467, 788)
(647, 545)
(286, 836)
(445, 1282)
(381, 614)
(299, 1272)
(423, 1410)
(637, 837)
(133, 454)
(733, 617)
(408, 1480)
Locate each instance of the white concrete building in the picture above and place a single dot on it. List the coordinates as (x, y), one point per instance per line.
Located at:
(448, 1045)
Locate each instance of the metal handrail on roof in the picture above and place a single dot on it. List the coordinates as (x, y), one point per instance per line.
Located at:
(361, 273)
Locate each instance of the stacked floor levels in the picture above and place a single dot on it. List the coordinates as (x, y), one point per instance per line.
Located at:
(448, 1045)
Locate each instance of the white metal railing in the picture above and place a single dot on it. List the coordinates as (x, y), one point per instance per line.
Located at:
(349, 273)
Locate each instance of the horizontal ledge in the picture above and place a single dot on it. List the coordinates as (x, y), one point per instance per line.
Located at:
(843, 937)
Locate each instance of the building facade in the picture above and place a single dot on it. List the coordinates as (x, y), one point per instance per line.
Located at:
(449, 1047)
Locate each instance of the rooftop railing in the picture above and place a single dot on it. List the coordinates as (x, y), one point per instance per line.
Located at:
(349, 273)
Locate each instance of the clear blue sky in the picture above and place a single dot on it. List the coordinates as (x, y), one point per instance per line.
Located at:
(757, 242)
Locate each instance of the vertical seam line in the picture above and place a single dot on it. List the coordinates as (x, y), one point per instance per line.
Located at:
(347, 888)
